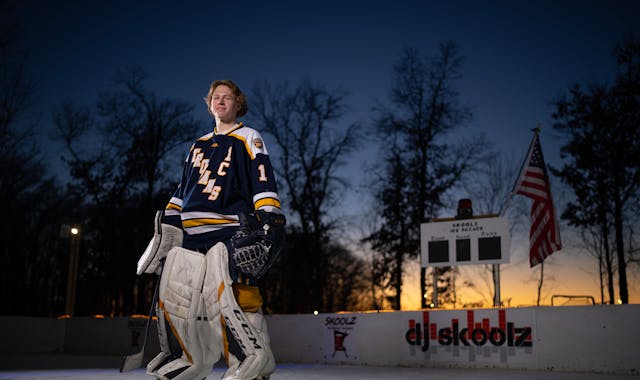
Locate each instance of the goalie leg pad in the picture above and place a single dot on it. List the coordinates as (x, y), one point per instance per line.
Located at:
(182, 307)
(235, 357)
(249, 299)
(259, 323)
(258, 360)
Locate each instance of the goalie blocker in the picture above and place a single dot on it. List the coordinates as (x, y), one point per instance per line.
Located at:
(165, 237)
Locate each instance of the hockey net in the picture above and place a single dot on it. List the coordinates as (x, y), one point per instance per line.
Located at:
(567, 300)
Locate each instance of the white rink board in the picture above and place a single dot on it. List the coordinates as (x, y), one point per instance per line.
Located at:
(464, 338)
(577, 338)
(597, 339)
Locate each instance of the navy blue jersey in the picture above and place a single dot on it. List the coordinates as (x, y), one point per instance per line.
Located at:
(224, 174)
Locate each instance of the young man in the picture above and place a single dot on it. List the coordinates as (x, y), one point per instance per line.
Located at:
(220, 231)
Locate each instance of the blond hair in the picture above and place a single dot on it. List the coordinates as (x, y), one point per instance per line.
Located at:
(240, 98)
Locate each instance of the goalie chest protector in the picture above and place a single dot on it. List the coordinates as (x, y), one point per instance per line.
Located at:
(224, 174)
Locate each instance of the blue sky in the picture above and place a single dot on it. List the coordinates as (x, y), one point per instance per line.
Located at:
(519, 55)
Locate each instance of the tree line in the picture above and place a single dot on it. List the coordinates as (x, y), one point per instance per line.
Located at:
(123, 151)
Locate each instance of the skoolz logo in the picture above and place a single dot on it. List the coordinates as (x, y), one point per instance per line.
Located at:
(331, 322)
(341, 327)
(471, 333)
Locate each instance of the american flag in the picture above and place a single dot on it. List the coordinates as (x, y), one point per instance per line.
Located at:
(544, 236)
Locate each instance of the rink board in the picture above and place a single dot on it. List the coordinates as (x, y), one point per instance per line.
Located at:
(600, 338)
(584, 338)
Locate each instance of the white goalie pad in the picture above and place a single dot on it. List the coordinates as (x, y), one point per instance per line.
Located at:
(164, 238)
(260, 325)
(182, 307)
(258, 361)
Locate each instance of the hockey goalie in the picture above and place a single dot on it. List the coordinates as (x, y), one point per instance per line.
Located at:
(219, 233)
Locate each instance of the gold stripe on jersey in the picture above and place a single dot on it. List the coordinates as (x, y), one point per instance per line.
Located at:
(206, 221)
(206, 137)
(172, 206)
(267, 202)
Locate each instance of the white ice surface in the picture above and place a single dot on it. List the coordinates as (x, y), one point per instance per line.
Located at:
(333, 372)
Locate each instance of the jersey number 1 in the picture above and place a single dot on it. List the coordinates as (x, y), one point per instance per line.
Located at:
(263, 174)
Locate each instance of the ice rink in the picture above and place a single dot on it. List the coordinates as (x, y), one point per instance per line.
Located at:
(319, 371)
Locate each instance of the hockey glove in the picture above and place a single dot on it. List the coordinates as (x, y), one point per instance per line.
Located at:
(258, 242)
(165, 237)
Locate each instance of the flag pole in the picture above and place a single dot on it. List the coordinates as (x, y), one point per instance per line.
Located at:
(540, 283)
(495, 268)
(536, 131)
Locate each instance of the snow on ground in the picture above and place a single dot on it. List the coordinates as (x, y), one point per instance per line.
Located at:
(333, 372)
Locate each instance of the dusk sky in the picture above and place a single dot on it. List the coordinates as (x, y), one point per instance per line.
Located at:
(519, 57)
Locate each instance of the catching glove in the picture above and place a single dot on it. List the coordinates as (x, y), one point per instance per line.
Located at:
(258, 242)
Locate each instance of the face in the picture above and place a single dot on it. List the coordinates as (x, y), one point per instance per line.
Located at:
(223, 103)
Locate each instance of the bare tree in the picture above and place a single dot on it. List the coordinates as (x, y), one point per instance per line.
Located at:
(17, 106)
(602, 124)
(348, 282)
(489, 186)
(598, 246)
(153, 128)
(120, 156)
(391, 243)
(311, 144)
(413, 136)
(30, 250)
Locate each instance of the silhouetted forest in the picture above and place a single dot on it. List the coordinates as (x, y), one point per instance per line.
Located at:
(123, 150)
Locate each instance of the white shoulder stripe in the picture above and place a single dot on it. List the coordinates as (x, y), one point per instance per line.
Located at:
(171, 212)
(252, 139)
(176, 201)
(266, 194)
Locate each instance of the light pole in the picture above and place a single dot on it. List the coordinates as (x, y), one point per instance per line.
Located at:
(72, 276)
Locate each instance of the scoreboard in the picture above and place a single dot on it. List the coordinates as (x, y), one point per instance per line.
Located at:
(479, 240)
